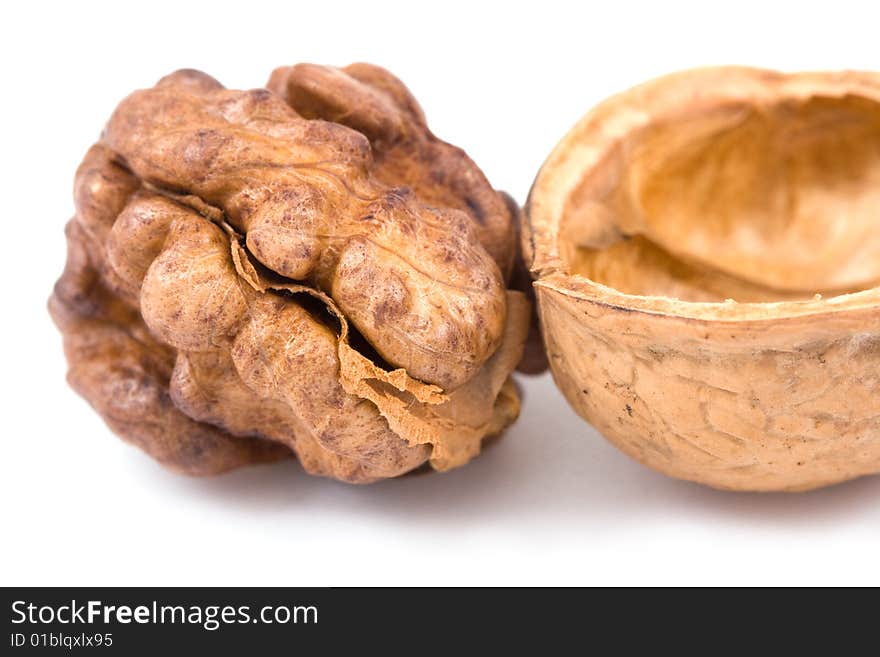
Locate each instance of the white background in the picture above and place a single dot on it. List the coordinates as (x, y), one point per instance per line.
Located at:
(553, 503)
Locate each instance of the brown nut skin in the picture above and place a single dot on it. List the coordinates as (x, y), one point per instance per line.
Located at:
(243, 284)
(370, 100)
(704, 248)
(412, 278)
(124, 373)
(405, 152)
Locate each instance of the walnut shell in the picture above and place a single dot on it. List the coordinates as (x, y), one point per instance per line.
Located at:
(706, 252)
(308, 271)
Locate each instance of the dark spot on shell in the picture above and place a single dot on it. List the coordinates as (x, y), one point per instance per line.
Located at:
(476, 210)
(260, 95)
(328, 438)
(387, 311)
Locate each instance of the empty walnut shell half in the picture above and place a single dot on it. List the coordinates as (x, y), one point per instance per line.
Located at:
(303, 269)
(706, 249)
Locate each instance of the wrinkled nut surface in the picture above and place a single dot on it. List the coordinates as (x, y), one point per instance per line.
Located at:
(706, 249)
(301, 269)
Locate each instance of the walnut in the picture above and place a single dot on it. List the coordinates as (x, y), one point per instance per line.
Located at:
(303, 269)
(707, 256)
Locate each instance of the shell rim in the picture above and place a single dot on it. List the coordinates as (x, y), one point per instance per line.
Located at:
(584, 145)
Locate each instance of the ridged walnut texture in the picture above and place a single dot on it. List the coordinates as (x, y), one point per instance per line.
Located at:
(303, 269)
